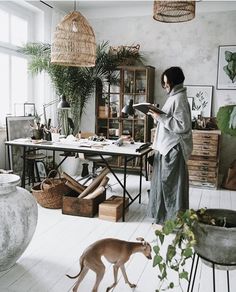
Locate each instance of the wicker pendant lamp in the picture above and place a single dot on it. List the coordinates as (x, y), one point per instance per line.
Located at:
(74, 42)
(173, 11)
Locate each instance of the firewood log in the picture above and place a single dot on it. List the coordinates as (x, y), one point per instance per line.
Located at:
(72, 181)
(104, 181)
(95, 193)
(90, 188)
(73, 187)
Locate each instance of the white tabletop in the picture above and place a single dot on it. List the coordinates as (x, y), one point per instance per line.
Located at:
(84, 146)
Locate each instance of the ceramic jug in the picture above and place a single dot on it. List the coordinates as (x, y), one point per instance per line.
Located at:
(18, 219)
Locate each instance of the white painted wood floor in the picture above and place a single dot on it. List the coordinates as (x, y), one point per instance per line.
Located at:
(60, 239)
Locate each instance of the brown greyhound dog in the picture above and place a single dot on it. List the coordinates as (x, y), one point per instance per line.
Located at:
(116, 252)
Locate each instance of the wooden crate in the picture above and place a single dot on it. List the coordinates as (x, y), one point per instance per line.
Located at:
(72, 205)
(111, 209)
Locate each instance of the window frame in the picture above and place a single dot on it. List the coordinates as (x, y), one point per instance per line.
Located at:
(12, 50)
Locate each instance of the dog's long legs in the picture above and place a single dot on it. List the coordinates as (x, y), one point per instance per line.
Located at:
(100, 271)
(122, 267)
(115, 272)
(82, 274)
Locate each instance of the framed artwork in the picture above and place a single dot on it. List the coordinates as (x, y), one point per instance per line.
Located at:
(226, 72)
(201, 99)
(29, 109)
(41, 169)
(17, 127)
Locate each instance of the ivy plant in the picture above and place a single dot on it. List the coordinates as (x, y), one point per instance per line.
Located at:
(178, 251)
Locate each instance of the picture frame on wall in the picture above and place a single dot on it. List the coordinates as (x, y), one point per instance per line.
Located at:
(226, 74)
(201, 99)
(29, 109)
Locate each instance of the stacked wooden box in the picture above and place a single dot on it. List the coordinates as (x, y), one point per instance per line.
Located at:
(112, 208)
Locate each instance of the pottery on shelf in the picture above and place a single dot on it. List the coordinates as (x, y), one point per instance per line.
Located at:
(18, 217)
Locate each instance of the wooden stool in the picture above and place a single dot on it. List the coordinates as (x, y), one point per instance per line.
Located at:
(32, 169)
(95, 159)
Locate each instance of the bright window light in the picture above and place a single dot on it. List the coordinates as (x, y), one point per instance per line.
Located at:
(4, 26)
(4, 81)
(19, 85)
(14, 32)
(19, 31)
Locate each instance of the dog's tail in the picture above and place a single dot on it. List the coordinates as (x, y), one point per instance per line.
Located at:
(81, 268)
(73, 277)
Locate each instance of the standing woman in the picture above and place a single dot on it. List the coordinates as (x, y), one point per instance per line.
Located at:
(169, 191)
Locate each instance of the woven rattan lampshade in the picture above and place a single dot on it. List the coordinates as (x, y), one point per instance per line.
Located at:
(74, 42)
(173, 11)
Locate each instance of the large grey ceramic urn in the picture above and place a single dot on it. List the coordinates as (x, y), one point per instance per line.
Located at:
(18, 220)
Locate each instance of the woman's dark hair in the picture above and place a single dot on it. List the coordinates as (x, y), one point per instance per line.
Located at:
(174, 76)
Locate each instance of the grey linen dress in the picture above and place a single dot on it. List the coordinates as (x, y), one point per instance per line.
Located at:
(169, 191)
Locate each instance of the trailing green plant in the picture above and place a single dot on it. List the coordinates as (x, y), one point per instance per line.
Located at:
(174, 254)
(78, 83)
(179, 250)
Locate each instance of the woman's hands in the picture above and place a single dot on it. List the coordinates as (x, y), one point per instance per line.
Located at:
(153, 114)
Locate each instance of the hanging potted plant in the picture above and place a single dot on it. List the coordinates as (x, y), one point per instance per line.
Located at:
(211, 233)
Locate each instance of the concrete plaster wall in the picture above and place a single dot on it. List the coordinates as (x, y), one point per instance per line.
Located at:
(192, 45)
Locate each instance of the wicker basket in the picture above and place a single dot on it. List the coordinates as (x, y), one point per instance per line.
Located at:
(49, 192)
(132, 49)
(174, 11)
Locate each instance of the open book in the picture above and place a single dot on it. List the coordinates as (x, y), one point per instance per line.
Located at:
(144, 107)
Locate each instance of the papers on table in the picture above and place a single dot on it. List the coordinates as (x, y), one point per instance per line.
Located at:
(82, 143)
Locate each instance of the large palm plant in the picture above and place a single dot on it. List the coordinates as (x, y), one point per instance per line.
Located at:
(77, 83)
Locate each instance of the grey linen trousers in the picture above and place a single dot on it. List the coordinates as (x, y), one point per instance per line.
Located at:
(169, 191)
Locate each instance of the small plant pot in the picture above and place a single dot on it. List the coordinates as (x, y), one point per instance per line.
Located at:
(37, 134)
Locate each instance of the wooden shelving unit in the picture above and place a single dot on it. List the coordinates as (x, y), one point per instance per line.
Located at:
(133, 83)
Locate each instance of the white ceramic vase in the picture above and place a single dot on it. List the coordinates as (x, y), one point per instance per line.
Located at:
(70, 165)
(18, 217)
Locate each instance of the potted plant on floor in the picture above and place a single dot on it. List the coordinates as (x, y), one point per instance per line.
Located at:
(211, 233)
